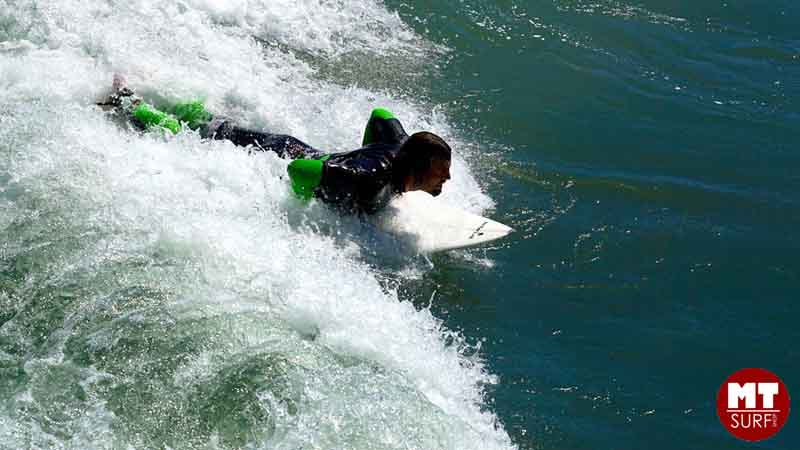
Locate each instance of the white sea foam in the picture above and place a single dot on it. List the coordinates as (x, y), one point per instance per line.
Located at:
(171, 266)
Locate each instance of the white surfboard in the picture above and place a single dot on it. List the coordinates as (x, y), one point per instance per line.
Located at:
(433, 226)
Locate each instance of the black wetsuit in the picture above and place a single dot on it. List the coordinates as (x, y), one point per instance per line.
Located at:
(361, 180)
(358, 181)
(284, 145)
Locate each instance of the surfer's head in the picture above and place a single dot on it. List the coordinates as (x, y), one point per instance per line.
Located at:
(422, 163)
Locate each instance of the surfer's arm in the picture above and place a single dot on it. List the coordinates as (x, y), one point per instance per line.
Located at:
(383, 128)
(355, 183)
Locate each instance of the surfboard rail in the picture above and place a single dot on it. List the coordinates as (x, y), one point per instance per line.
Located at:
(434, 226)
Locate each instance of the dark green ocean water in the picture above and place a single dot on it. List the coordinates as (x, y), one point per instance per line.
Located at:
(648, 153)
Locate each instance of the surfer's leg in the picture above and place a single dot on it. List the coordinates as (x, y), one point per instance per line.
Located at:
(129, 108)
(284, 145)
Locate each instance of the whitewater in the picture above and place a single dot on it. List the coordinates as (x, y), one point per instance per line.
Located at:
(169, 292)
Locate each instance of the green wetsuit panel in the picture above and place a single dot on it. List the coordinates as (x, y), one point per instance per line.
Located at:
(151, 117)
(306, 174)
(193, 114)
(377, 114)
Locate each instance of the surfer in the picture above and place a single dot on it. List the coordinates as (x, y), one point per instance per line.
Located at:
(364, 180)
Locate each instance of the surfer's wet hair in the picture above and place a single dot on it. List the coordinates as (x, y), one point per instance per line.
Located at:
(417, 153)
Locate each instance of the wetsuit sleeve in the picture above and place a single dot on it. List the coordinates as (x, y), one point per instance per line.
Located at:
(193, 113)
(383, 128)
(356, 182)
(306, 175)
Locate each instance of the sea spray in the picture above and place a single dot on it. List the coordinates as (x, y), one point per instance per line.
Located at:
(157, 291)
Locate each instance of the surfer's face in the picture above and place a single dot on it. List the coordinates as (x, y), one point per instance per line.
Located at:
(438, 174)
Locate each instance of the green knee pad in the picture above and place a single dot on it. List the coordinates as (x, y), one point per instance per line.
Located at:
(151, 117)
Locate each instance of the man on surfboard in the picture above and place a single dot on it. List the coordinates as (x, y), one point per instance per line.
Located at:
(363, 181)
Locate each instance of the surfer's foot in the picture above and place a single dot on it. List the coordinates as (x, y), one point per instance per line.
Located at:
(119, 82)
(120, 92)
